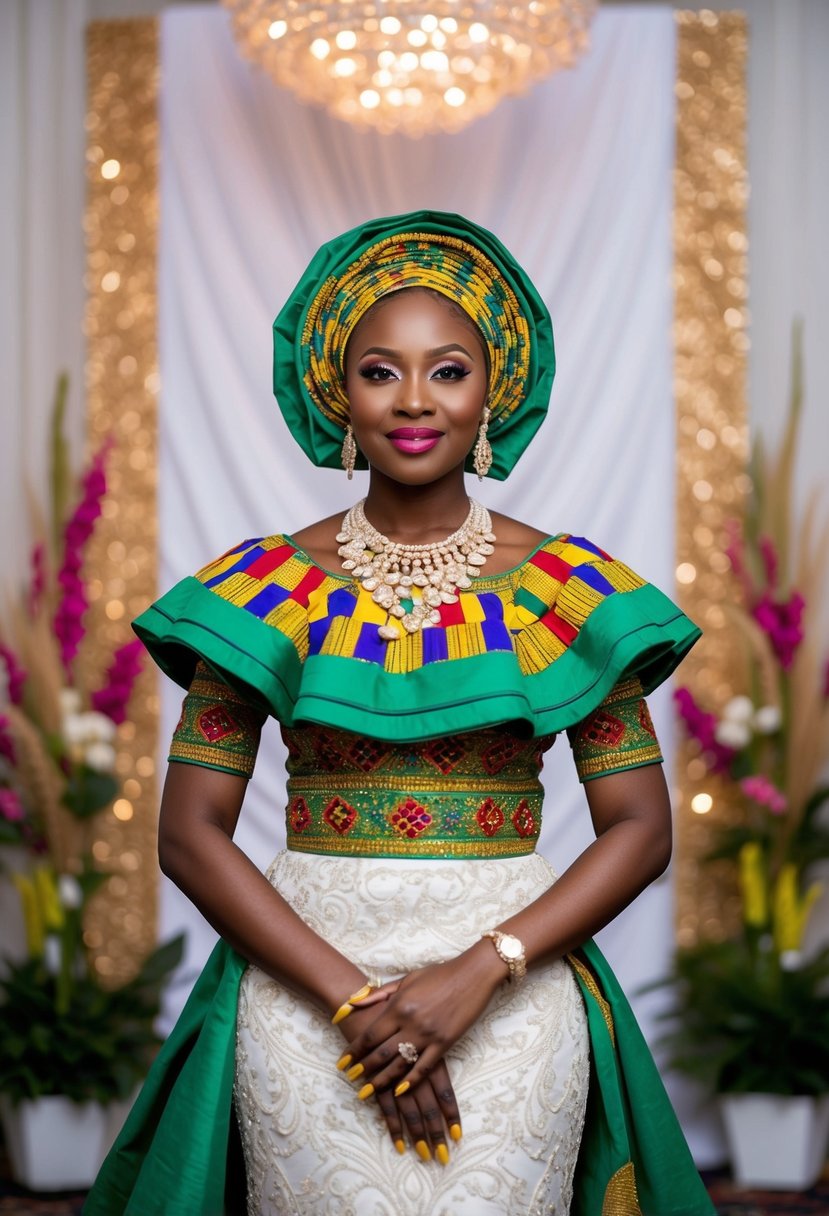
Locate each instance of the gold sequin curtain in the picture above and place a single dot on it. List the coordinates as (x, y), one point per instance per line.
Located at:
(122, 391)
(122, 382)
(710, 355)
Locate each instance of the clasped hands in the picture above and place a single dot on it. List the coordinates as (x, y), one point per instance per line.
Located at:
(429, 1009)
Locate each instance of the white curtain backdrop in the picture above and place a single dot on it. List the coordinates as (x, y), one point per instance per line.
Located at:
(576, 179)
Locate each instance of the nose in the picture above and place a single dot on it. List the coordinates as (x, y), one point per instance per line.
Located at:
(413, 397)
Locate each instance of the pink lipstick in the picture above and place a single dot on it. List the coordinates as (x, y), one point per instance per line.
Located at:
(413, 439)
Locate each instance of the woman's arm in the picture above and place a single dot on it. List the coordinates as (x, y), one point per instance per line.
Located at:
(199, 810)
(433, 1007)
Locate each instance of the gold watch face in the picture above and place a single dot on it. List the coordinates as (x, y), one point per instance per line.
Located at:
(511, 946)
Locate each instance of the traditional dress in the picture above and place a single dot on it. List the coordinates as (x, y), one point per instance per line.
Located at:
(413, 812)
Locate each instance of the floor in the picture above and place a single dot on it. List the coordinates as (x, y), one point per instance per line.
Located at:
(728, 1200)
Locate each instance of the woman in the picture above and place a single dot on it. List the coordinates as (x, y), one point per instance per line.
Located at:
(421, 657)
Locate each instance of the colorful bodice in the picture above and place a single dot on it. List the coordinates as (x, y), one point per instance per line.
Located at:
(477, 794)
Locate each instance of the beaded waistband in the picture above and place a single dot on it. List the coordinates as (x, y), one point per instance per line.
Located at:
(356, 818)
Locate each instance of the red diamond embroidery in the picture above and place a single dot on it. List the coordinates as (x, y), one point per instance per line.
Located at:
(410, 819)
(216, 723)
(445, 754)
(523, 819)
(299, 816)
(367, 754)
(645, 720)
(490, 817)
(499, 754)
(339, 815)
(604, 730)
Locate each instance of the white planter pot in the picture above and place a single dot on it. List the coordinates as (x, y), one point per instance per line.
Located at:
(58, 1145)
(776, 1142)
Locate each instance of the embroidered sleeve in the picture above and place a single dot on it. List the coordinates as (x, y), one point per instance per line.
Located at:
(217, 728)
(616, 736)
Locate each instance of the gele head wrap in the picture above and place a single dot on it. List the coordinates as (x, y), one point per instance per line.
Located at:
(434, 249)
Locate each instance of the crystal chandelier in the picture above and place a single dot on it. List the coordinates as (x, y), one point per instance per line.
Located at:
(410, 66)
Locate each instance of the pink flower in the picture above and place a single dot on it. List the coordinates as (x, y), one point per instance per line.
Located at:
(735, 552)
(123, 670)
(702, 726)
(69, 626)
(7, 751)
(37, 582)
(11, 808)
(15, 673)
(781, 621)
(765, 793)
(768, 553)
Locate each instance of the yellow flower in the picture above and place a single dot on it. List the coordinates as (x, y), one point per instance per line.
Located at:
(46, 888)
(32, 916)
(752, 877)
(791, 909)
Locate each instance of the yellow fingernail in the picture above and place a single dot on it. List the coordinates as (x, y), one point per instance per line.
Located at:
(442, 1154)
(365, 1092)
(342, 1013)
(455, 1131)
(343, 1062)
(361, 995)
(400, 1145)
(355, 1072)
(422, 1150)
(401, 1089)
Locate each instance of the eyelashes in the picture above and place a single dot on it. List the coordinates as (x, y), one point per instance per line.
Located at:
(382, 373)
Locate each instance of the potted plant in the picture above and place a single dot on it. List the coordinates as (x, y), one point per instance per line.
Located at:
(72, 1047)
(750, 1017)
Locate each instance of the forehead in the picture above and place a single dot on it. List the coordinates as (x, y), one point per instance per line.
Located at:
(416, 310)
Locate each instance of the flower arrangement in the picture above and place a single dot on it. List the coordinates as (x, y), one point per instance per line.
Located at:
(61, 1030)
(752, 1011)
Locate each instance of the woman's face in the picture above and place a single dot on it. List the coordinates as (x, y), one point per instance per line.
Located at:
(416, 379)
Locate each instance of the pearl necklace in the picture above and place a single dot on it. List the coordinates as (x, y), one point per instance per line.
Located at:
(426, 575)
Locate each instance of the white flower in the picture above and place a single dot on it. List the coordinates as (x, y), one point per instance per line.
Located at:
(70, 701)
(768, 720)
(69, 892)
(98, 727)
(100, 756)
(790, 960)
(732, 734)
(52, 954)
(74, 730)
(739, 709)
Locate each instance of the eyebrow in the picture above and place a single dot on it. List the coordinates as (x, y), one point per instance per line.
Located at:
(430, 354)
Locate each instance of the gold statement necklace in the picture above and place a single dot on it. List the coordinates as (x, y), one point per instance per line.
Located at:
(425, 576)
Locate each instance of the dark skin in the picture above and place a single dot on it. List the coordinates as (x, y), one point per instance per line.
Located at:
(395, 378)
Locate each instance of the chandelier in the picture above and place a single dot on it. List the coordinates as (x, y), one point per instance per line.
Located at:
(410, 66)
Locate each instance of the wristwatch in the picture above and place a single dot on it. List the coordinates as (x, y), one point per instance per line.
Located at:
(511, 951)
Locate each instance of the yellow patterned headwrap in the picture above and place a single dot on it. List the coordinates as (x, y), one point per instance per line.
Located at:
(444, 252)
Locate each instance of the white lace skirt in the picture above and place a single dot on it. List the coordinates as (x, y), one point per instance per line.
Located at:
(520, 1074)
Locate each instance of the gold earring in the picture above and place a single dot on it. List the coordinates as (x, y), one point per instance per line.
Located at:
(349, 452)
(482, 451)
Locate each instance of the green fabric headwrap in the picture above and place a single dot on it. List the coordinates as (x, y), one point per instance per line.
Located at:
(435, 249)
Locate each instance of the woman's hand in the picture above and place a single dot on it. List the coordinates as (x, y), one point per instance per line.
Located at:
(429, 1009)
(425, 1114)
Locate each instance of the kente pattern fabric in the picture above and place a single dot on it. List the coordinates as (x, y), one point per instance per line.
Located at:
(438, 250)
(541, 645)
(217, 727)
(616, 736)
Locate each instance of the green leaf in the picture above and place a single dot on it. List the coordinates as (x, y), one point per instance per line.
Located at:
(88, 792)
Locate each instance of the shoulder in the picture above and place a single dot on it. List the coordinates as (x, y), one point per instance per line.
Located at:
(515, 542)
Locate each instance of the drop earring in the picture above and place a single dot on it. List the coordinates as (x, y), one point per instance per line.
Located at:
(349, 452)
(482, 451)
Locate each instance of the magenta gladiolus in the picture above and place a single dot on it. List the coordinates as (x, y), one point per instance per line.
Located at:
(701, 726)
(768, 553)
(11, 808)
(6, 742)
(782, 624)
(15, 674)
(69, 627)
(37, 582)
(123, 671)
